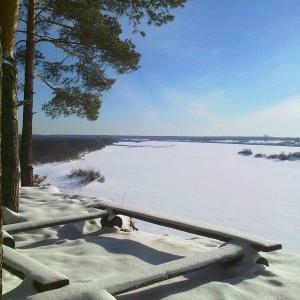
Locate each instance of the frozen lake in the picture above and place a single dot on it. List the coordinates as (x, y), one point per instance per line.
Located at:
(203, 182)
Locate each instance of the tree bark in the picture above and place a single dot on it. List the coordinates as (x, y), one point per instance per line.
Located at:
(1, 242)
(8, 24)
(9, 109)
(26, 143)
(9, 129)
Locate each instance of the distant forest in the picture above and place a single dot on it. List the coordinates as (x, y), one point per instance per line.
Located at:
(57, 148)
(47, 149)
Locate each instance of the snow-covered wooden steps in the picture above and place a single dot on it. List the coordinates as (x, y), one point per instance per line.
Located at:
(107, 288)
(44, 278)
(210, 231)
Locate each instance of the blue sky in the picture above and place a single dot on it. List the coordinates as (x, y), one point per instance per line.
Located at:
(223, 67)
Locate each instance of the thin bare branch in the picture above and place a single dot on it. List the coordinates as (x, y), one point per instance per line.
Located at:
(65, 58)
(20, 41)
(22, 21)
(45, 81)
(56, 44)
(21, 31)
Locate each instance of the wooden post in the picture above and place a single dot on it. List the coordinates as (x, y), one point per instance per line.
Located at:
(1, 250)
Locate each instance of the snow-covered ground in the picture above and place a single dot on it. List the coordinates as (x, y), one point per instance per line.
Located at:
(95, 260)
(204, 182)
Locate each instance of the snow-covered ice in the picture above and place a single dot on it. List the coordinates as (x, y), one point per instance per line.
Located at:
(202, 182)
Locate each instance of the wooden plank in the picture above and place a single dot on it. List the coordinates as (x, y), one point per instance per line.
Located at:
(215, 232)
(101, 289)
(135, 280)
(33, 225)
(44, 278)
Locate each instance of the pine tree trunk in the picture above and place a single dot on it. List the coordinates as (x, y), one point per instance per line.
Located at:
(1, 251)
(8, 24)
(9, 129)
(26, 143)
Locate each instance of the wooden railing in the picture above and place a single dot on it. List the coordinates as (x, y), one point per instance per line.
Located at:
(232, 250)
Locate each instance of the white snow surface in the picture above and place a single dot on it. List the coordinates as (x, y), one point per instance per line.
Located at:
(208, 183)
(94, 259)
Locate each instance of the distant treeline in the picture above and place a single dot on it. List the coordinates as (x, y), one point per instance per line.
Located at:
(46, 149)
(249, 140)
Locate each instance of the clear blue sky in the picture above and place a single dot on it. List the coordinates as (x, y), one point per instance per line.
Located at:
(223, 67)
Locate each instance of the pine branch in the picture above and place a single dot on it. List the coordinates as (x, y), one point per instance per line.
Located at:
(45, 81)
(56, 41)
(53, 23)
(56, 44)
(42, 9)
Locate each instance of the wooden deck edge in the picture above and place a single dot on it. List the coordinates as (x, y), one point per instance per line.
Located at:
(33, 225)
(215, 232)
(43, 277)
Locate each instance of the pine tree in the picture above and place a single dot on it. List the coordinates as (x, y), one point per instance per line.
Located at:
(88, 37)
(9, 107)
(8, 25)
(1, 241)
